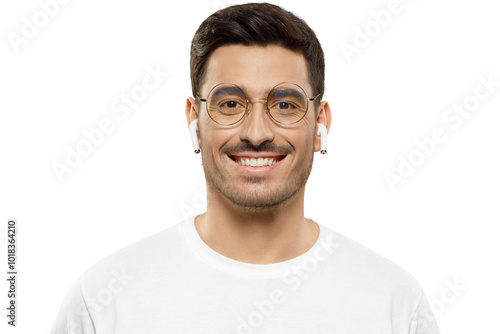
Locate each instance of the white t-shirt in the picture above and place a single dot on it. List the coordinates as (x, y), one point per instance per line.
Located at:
(172, 282)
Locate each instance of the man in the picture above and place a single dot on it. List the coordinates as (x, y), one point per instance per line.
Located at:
(252, 263)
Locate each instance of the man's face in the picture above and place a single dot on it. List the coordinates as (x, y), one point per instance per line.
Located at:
(256, 70)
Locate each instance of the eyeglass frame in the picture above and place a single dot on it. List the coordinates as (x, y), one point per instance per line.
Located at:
(247, 111)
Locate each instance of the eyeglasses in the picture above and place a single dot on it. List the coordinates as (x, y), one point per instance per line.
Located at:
(286, 103)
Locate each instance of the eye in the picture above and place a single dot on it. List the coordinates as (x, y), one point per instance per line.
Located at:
(284, 105)
(230, 107)
(230, 104)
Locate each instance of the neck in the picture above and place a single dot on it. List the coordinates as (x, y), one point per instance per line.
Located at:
(259, 236)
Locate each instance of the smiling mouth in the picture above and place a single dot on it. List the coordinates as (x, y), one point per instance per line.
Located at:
(257, 161)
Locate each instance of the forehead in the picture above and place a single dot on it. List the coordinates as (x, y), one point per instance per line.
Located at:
(256, 69)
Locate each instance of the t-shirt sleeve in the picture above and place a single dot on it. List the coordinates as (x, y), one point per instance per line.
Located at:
(73, 316)
(423, 321)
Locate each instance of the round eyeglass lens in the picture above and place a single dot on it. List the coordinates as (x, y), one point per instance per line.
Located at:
(226, 104)
(287, 103)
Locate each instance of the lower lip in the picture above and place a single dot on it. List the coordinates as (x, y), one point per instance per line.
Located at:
(256, 170)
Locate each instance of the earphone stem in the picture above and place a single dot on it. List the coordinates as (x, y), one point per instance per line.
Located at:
(193, 128)
(324, 138)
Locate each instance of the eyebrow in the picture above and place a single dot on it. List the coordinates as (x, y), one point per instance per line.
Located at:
(287, 92)
(235, 91)
(227, 90)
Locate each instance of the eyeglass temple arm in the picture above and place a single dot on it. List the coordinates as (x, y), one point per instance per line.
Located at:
(313, 98)
(199, 98)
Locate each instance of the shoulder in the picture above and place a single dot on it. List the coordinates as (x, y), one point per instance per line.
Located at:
(129, 263)
(115, 278)
(360, 265)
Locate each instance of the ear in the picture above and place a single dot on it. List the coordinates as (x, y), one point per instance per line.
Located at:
(324, 117)
(191, 110)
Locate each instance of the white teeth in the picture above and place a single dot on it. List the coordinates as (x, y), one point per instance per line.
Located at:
(259, 162)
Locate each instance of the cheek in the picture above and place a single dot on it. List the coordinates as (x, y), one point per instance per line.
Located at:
(305, 136)
(212, 141)
(302, 141)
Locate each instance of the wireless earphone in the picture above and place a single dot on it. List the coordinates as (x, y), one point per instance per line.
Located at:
(324, 137)
(193, 128)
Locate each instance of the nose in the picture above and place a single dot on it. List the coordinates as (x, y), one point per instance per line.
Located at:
(257, 127)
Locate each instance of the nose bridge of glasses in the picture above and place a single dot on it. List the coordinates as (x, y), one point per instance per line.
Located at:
(263, 99)
(252, 101)
(257, 98)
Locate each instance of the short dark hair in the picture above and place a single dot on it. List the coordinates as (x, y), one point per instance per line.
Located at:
(256, 24)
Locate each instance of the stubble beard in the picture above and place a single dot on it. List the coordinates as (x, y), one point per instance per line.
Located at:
(256, 195)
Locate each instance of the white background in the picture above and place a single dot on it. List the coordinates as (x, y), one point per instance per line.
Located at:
(441, 224)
